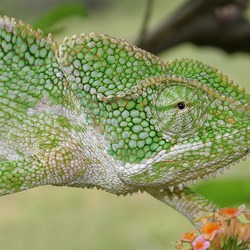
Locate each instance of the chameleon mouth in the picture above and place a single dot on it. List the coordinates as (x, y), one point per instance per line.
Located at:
(205, 177)
(185, 164)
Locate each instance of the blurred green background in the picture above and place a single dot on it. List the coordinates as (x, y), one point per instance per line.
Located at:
(54, 218)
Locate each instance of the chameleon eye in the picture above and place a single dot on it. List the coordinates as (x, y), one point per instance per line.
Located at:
(181, 105)
(179, 109)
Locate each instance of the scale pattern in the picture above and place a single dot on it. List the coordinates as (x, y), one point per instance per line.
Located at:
(97, 111)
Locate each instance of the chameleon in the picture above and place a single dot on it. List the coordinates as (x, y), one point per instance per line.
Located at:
(97, 111)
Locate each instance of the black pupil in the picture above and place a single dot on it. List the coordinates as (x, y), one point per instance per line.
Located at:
(181, 105)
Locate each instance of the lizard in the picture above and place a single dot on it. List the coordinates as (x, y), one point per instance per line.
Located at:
(97, 111)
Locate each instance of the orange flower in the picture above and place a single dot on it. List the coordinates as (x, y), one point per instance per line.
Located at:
(232, 227)
(189, 236)
(210, 229)
(231, 212)
(220, 230)
(244, 232)
(200, 243)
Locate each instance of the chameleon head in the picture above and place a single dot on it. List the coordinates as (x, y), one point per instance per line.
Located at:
(164, 123)
(195, 127)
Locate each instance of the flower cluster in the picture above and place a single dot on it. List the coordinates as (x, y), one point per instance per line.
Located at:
(227, 228)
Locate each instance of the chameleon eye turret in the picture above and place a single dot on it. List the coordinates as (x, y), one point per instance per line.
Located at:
(175, 108)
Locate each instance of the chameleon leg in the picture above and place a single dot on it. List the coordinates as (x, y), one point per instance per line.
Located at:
(187, 202)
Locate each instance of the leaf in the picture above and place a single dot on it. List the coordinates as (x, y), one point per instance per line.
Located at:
(226, 192)
(58, 13)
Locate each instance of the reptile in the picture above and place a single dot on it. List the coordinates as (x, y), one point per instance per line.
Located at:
(96, 111)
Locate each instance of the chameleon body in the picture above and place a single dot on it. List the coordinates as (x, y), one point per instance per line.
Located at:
(97, 111)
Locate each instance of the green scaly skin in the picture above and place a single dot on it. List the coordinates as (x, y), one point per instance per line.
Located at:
(97, 111)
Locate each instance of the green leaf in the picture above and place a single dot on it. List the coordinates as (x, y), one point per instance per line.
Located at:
(58, 13)
(227, 192)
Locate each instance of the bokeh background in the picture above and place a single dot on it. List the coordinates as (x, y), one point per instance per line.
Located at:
(52, 218)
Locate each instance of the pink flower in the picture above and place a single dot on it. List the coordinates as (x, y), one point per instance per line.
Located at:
(200, 243)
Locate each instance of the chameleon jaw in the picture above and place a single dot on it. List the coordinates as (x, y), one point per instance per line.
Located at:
(205, 177)
(173, 176)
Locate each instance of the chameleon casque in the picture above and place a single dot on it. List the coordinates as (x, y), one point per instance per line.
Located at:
(97, 111)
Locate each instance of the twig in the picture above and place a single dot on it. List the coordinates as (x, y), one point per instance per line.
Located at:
(218, 23)
(147, 15)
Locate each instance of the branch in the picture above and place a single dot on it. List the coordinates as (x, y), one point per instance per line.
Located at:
(218, 23)
(149, 6)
